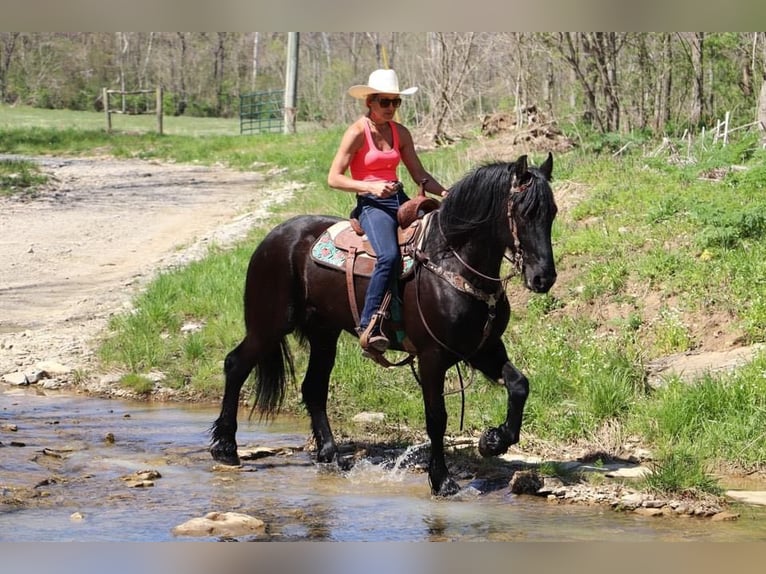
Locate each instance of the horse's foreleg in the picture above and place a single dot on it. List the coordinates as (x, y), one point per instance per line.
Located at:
(237, 367)
(432, 382)
(493, 362)
(496, 441)
(315, 388)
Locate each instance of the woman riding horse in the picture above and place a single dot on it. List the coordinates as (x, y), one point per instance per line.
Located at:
(454, 308)
(371, 149)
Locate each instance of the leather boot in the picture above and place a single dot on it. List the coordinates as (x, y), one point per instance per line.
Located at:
(373, 339)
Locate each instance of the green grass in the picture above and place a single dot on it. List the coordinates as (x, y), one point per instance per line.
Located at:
(679, 472)
(722, 414)
(649, 250)
(27, 118)
(137, 383)
(20, 177)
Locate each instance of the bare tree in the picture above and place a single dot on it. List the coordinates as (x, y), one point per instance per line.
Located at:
(761, 112)
(664, 84)
(182, 100)
(694, 43)
(606, 47)
(616, 81)
(7, 48)
(219, 59)
(350, 41)
(454, 56)
(374, 38)
(575, 52)
(143, 80)
(761, 107)
(645, 81)
(123, 45)
(392, 45)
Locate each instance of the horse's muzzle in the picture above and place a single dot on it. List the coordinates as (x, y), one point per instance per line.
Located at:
(540, 282)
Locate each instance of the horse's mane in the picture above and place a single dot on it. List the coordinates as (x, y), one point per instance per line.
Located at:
(480, 198)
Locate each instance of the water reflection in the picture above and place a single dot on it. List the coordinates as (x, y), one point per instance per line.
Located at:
(63, 481)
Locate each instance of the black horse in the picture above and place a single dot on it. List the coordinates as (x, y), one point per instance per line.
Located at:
(454, 308)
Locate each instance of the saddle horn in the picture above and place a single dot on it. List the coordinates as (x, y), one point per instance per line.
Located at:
(417, 207)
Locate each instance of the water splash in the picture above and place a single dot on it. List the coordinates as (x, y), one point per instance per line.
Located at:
(409, 453)
(387, 470)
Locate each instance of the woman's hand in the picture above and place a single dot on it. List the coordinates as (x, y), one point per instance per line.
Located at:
(384, 189)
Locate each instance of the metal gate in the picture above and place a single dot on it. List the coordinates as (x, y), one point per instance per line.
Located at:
(261, 112)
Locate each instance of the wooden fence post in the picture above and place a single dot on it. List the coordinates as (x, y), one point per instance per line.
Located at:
(105, 97)
(159, 109)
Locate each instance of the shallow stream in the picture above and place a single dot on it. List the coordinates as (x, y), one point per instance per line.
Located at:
(62, 470)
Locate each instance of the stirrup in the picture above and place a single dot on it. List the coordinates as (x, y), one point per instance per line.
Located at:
(376, 343)
(372, 338)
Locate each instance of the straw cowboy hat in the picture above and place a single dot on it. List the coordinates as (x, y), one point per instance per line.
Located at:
(380, 82)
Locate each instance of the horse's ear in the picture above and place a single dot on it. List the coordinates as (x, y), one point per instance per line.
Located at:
(520, 167)
(547, 167)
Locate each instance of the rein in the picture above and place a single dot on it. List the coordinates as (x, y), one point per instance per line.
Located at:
(518, 253)
(516, 260)
(461, 283)
(457, 281)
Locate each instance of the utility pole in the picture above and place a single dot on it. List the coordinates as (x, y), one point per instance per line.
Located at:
(291, 80)
(256, 40)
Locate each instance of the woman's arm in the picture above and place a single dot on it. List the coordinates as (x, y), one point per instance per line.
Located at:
(413, 164)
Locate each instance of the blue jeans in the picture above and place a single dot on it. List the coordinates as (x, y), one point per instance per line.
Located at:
(381, 229)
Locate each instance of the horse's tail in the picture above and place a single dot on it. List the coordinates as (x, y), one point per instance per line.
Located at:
(271, 375)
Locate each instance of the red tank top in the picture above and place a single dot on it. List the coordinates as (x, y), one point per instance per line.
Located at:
(372, 164)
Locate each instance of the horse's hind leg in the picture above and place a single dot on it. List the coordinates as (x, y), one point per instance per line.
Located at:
(315, 389)
(237, 366)
(493, 362)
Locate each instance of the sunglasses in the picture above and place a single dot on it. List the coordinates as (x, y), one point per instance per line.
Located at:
(385, 102)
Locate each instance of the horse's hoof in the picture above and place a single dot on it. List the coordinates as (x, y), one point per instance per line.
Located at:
(345, 463)
(492, 443)
(327, 455)
(448, 488)
(327, 468)
(225, 456)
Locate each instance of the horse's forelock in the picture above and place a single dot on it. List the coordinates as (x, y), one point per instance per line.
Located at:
(537, 199)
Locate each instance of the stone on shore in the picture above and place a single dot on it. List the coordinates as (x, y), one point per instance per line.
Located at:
(220, 524)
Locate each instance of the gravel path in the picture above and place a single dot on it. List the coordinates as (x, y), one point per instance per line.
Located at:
(78, 252)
